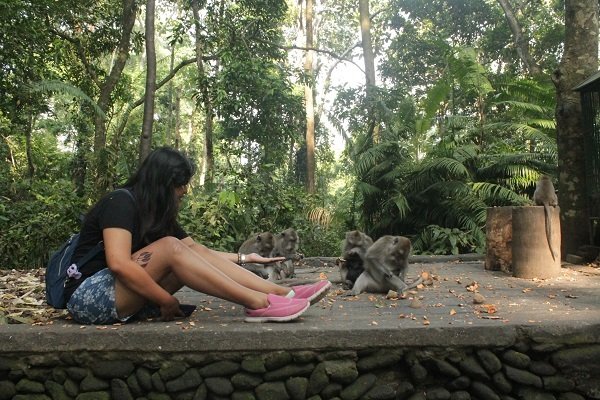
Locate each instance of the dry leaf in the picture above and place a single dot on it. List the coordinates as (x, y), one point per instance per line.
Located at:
(453, 312)
(489, 308)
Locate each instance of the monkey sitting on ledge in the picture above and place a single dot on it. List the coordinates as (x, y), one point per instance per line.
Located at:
(285, 245)
(261, 244)
(385, 267)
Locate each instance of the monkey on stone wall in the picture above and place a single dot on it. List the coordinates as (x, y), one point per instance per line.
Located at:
(385, 267)
(261, 244)
(545, 195)
(285, 245)
(354, 250)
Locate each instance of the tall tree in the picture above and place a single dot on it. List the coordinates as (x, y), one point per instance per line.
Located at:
(521, 40)
(205, 98)
(369, 58)
(107, 86)
(148, 120)
(309, 99)
(580, 59)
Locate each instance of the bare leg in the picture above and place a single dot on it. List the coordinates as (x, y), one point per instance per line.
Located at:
(173, 264)
(239, 274)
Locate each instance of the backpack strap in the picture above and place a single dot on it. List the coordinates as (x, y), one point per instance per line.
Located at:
(91, 253)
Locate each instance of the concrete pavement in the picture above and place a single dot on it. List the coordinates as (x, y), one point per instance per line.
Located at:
(443, 313)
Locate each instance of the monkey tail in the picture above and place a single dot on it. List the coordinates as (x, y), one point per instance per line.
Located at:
(549, 230)
(413, 284)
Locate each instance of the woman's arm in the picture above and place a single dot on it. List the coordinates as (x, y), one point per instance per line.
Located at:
(117, 247)
(237, 258)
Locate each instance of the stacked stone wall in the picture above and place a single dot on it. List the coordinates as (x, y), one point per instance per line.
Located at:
(527, 371)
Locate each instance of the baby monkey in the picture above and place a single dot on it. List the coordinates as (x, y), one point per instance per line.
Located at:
(285, 245)
(354, 251)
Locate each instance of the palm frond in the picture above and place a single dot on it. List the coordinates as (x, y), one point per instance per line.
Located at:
(401, 203)
(518, 170)
(53, 86)
(543, 123)
(524, 106)
(444, 168)
(373, 156)
(366, 189)
(494, 194)
(466, 153)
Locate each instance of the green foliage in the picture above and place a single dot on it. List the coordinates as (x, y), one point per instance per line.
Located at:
(36, 220)
(225, 219)
(460, 128)
(213, 220)
(57, 86)
(435, 239)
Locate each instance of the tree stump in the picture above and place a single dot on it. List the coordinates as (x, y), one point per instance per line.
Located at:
(531, 255)
(498, 239)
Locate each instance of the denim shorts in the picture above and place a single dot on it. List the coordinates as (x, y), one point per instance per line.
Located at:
(94, 301)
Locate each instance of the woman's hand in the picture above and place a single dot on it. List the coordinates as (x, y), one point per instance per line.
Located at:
(169, 311)
(256, 258)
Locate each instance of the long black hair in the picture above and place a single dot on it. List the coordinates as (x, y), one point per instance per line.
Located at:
(154, 183)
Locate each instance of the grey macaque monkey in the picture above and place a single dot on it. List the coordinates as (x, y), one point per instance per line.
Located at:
(261, 244)
(545, 195)
(385, 267)
(354, 251)
(286, 245)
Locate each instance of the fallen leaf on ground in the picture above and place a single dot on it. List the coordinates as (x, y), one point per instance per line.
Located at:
(489, 308)
(472, 287)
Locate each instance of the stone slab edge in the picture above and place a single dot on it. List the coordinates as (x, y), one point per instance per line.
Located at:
(152, 338)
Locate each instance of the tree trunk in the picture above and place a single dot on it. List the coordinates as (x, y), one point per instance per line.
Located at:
(369, 57)
(580, 59)
(106, 89)
(206, 100)
(148, 120)
(28, 130)
(309, 101)
(171, 124)
(177, 126)
(83, 148)
(521, 41)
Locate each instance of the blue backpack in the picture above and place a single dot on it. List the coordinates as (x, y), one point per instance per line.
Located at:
(60, 262)
(56, 270)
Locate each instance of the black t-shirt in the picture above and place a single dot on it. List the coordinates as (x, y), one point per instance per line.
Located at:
(115, 210)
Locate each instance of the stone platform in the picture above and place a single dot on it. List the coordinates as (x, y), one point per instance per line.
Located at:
(525, 338)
